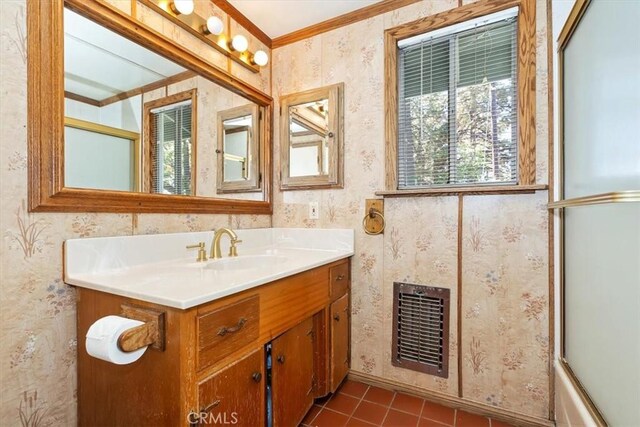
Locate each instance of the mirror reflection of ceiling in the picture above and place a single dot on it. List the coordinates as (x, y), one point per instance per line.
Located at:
(238, 122)
(267, 14)
(100, 64)
(312, 117)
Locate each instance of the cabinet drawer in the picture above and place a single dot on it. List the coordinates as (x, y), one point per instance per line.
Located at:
(339, 280)
(227, 329)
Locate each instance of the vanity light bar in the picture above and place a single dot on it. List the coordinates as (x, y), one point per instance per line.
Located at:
(209, 30)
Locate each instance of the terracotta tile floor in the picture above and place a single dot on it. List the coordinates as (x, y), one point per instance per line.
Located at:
(358, 404)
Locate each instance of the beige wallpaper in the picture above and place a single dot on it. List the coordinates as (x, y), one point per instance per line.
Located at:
(504, 289)
(505, 297)
(37, 310)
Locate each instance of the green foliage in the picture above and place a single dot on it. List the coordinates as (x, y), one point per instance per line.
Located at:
(483, 147)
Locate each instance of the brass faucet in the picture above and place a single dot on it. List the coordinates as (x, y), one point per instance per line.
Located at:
(215, 244)
(202, 253)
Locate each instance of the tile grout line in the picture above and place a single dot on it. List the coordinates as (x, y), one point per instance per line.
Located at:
(359, 401)
(389, 407)
(357, 404)
(421, 411)
(420, 415)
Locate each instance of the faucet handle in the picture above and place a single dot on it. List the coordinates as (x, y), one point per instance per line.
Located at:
(233, 251)
(202, 253)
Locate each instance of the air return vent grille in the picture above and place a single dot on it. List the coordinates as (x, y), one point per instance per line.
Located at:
(421, 328)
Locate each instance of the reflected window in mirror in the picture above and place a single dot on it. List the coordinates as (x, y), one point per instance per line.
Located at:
(238, 148)
(311, 151)
(170, 144)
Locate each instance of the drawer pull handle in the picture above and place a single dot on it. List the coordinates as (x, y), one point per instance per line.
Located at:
(211, 406)
(257, 376)
(224, 330)
(336, 317)
(340, 277)
(281, 358)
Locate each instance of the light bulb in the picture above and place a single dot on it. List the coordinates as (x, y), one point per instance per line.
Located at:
(260, 58)
(182, 7)
(214, 26)
(239, 43)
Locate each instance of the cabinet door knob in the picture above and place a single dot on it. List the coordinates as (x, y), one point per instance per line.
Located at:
(340, 277)
(336, 317)
(281, 358)
(257, 376)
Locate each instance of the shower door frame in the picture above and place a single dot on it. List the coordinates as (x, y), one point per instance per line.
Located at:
(575, 16)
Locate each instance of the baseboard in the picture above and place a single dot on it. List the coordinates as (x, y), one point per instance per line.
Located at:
(510, 417)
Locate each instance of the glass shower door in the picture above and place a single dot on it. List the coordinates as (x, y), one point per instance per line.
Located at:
(600, 206)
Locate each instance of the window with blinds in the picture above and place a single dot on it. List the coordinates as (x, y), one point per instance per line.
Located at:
(457, 100)
(171, 154)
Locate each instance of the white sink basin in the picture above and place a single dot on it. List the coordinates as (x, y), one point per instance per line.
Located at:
(247, 262)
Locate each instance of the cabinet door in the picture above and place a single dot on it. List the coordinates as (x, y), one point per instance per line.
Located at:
(235, 395)
(292, 375)
(339, 341)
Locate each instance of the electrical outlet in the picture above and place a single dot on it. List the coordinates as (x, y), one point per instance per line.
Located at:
(314, 212)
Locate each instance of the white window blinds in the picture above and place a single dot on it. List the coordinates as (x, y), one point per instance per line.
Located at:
(457, 106)
(171, 159)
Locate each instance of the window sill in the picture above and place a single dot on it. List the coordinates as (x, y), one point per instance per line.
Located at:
(470, 191)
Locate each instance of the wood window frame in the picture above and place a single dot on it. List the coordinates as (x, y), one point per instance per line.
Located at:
(526, 72)
(149, 145)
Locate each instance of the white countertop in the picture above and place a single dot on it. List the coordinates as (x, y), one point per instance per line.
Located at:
(158, 268)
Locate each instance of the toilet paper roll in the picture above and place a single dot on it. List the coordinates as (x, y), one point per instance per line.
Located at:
(102, 340)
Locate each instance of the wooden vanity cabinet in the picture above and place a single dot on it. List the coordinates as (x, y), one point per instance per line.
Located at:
(212, 368)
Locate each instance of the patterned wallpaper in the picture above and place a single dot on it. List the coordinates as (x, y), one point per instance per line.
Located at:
(505, 297)
(505, 300)
(38, 327)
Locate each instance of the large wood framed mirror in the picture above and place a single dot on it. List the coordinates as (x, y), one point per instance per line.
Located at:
(122, 119)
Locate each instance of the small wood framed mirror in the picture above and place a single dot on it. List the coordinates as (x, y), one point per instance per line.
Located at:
(311, 126)
(238, 151)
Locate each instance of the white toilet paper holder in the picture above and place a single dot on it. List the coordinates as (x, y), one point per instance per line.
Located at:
(151, 334)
